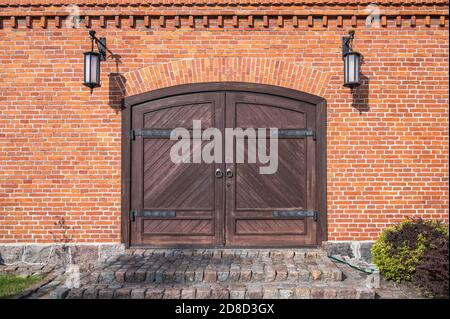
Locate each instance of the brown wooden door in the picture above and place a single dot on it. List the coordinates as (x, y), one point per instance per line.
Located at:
(267, 209)
(174, 204)
(187, 205)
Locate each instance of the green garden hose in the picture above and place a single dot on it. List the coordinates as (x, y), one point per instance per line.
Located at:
(369, 272)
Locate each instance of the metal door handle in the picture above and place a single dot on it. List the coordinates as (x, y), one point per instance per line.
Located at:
(229, 173)
(218, 173)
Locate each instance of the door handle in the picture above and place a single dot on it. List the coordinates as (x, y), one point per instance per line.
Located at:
(229, 173)
(218, 173)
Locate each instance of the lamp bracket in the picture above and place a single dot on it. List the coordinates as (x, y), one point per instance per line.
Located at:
(101, 44)
(347, 42)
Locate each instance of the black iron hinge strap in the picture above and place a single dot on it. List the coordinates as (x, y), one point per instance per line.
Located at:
(152, 214)
(295, 214)
(295, 133)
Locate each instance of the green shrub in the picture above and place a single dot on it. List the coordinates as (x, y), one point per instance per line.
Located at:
(400, 248)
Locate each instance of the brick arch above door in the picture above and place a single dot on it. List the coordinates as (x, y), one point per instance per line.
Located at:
(272, 71)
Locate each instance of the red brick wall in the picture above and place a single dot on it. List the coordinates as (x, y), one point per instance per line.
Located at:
(60, 146)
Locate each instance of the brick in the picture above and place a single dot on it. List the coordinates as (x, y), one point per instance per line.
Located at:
(120, 275)
(235, 272)
(140, 275)
(105, 293)
(293, 274)
(188, 293)
(172, 293)
(122, 293)
(203, 293)
(179, 276)
(286, 293)
(329, 293)
(281, 272)
(365, 293)
(237, 292)
(316, 274)
(346, 293)
(223, 274)
(199, 275)
(302, 293)
(317, 293)
(219, 293)
(254, 292)
(159, 275)
(169, 276)
(90, 293)
(154, 293)
(210, 275)
(257, 272)
(270, 293)
(269, 273)
(75, 293)
(189, 276)
(138, 293)
(246, 274)
(304, 275)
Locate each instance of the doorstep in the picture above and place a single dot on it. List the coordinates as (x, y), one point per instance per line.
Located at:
(218, 273)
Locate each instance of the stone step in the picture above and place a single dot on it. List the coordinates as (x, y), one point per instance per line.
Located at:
(221, 291)
(211, 274)
(210, 266)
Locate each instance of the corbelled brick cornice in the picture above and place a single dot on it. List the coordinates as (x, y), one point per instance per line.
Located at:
(215, 2)
(251, 13)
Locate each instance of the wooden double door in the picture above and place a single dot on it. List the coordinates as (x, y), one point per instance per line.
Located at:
(226, 202)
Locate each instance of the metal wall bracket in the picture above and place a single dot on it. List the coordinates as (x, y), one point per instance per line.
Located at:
(101, 44)
(347, 42)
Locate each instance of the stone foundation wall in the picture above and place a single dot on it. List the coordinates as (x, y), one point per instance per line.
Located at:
(359, 250)
(84, 255)
(88, 254)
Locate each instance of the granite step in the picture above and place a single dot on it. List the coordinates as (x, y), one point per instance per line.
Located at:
(221, 291)
(218, 274)
(222, 266)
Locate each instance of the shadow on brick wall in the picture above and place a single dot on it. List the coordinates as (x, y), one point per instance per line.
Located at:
(117, 84)
(361, 95)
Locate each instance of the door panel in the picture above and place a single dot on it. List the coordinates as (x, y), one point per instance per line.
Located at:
(284, 189)
(176, 204)
(255, 115)
(165, 182)
(252, 198)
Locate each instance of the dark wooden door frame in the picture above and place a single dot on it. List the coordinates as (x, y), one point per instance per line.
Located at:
(318, 102)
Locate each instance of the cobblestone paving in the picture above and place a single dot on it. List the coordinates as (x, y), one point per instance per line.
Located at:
(221, 273)
(25, 270)
(217, 273)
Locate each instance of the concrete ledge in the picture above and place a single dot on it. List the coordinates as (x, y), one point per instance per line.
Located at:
(358, 250)
(85, 255)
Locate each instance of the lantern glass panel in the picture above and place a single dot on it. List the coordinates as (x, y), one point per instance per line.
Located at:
(91, 69)
(351, 69)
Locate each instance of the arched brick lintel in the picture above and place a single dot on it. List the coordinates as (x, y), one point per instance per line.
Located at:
(272, 71)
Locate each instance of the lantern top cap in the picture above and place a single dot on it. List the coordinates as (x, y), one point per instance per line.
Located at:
(352, 52)
(91, 53)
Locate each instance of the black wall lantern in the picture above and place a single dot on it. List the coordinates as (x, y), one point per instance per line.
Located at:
(92, 61)
(352, 62)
